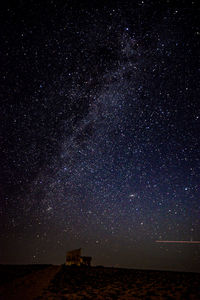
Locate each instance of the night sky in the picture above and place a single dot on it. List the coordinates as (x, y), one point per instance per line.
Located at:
(100, 133)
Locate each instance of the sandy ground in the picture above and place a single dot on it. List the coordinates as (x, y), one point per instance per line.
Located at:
(30, 286)
(111, 283)
(60, 282)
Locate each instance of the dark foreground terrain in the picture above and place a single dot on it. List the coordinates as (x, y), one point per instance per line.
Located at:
(60, 282)
(9, 273)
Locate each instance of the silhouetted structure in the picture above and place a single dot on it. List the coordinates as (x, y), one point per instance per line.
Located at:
(74, 258)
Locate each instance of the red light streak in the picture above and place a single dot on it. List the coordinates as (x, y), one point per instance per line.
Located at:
(180, 242)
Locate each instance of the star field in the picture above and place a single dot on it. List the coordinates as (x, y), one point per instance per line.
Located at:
(100, 123)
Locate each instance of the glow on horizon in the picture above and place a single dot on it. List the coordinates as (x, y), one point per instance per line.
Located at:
(180, 242)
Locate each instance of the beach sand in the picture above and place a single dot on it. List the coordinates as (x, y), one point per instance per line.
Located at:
(61, 282)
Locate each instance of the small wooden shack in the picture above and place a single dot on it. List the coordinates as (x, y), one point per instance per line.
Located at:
(74, 258)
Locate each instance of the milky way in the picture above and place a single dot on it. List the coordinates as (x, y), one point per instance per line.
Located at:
(100, 134)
